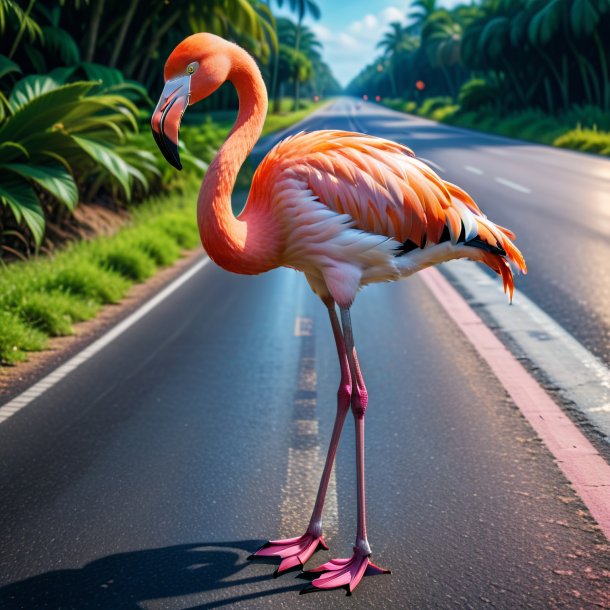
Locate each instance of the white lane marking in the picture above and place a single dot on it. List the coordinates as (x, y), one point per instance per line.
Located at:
(513, 185)
(580, 377)
(494, 150)
(582, 465)
(302, 326)
(474, 170)
(33, 392)
(306, 457)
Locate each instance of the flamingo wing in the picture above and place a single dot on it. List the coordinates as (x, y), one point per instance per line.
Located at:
(386, 191)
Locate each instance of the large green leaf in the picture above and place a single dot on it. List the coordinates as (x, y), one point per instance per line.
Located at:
(545, 23)
(108, 76)
(493, 37)
(20, 197)
(52, 178)
(59, 41)
(108, 159)
(11, 150)
(63, 74)
(585, 16)
(7, 66)
(37, 58)
(30, 87)
(43, 112)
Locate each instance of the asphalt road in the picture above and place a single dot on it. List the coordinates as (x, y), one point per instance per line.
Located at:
(556, 201)
(147, 476)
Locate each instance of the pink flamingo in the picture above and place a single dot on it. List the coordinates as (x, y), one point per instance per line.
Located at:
(346, 209)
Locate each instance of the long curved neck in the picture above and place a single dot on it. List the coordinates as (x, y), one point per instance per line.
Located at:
(231, 242)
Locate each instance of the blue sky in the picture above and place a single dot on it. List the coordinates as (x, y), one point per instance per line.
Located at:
(350, 29)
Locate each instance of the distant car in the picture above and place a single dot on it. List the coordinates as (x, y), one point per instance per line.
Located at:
(378, 98)
(365, 97)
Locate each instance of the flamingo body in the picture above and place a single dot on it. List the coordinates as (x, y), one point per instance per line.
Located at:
(346, 209)
(354, 209)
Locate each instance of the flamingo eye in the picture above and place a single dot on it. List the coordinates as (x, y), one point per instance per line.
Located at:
(192, 67)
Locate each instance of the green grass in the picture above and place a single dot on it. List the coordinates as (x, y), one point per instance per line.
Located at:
(44, 297)
(17, 338)
(582, 128)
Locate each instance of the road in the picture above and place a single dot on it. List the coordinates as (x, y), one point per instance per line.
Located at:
(144, 478)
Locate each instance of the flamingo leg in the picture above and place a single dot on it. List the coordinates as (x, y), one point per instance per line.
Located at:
(348, 572)
(294, 552)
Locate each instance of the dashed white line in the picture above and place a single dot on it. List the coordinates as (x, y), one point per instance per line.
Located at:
(306, 457)
(513, 185)
(33, 392)
(474, 170)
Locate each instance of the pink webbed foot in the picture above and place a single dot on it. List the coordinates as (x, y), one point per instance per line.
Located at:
(346, 573)
(293, 552)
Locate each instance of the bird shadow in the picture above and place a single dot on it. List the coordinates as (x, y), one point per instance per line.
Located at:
(125, 580)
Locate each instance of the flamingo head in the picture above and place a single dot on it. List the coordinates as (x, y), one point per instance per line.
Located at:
(193, 71)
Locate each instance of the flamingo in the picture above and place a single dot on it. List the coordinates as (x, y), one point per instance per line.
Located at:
(346, 209)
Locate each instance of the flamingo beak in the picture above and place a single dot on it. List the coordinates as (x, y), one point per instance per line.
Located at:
(165, 121)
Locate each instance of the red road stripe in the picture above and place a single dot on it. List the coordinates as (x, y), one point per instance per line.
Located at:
(579, 461)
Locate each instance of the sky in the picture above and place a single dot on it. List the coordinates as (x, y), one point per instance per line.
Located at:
(350, 29)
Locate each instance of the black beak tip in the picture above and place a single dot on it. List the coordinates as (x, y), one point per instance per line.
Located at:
(169, 149)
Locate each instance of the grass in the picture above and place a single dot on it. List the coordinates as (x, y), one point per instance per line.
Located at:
(45, 297)
(583, 128)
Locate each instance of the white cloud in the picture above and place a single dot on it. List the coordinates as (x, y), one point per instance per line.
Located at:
(349, 50)
(322, 32)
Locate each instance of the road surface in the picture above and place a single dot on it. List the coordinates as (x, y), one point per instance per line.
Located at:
(144, 478)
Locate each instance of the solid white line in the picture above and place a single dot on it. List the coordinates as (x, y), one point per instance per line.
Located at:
(474, 170)
(582, 465)
(33, 392)
(579, 377)
(513, 185)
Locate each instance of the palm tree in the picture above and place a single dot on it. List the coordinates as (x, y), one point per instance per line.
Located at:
(419, 16)
(301, 8)
(309, 49)
(392, 43)
(571, 19)
(442, 38)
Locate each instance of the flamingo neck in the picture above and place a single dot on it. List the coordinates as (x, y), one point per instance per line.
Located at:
(236, 244)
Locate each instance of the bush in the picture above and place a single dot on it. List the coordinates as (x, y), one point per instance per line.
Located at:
(588, 140)
(476, 94)
(431, 104)
(444, 113)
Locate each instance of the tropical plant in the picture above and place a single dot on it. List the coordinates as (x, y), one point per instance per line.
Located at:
(302, 8)
(53, 138)
(542, 54)
(392, 43)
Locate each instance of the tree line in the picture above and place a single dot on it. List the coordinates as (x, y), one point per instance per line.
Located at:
(504, 55)
(77, 84)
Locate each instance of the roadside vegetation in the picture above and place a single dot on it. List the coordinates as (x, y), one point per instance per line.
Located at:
(531, 69)
(78, 82)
